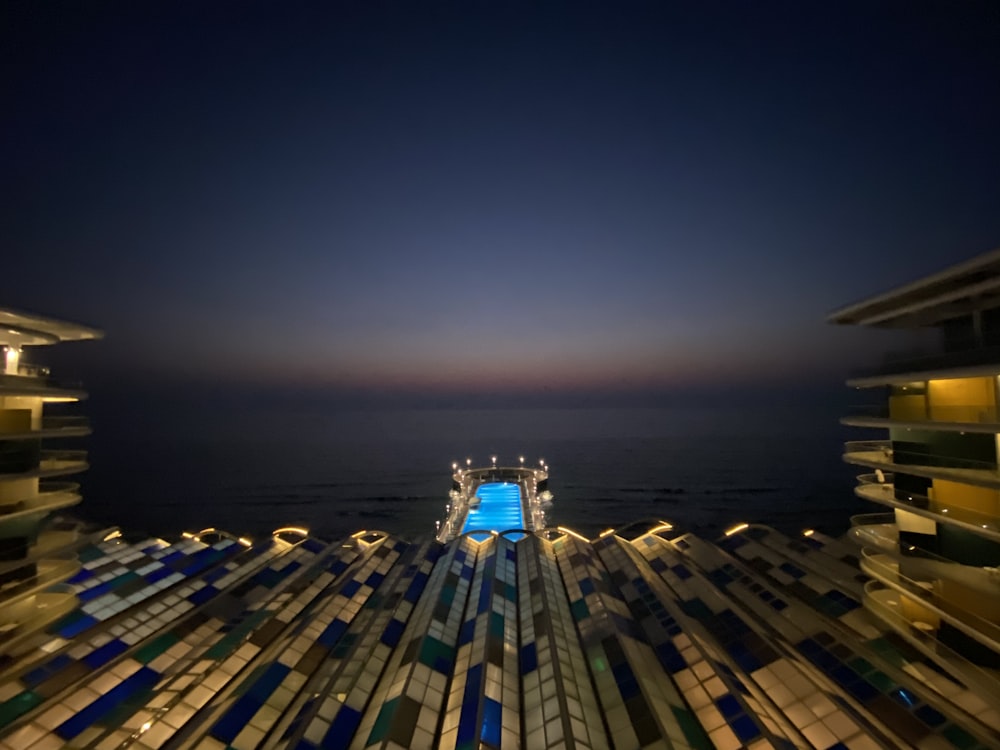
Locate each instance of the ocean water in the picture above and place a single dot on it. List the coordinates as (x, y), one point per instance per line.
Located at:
(338, 471)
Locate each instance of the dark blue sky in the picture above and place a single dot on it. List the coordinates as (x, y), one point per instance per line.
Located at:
(485, 197)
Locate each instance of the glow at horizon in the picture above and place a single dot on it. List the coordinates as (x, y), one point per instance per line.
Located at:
(352, 199)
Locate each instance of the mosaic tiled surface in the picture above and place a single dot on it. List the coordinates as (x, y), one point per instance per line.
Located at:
(655, 640)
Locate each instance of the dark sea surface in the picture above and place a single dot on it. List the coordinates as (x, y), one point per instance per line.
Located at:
(250, 470)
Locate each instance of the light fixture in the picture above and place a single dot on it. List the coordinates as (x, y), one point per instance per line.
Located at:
(301, 530)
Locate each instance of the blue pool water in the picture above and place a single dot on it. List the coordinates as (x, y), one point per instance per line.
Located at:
(499, 508)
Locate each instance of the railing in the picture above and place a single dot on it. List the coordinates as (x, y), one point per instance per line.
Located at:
(69, 425)
(59, 600)
(890, 455)
(870, 531)
(48, 572)
(966, 353)
(64, 455)
(869, 446)
(36, 376)
(887, 478)
(922, 592)
(54, 460)
(960, 413)
(876, 591)
(873, 519)
(74, 422)
(47, 491)
(885, 493)
(32, 371)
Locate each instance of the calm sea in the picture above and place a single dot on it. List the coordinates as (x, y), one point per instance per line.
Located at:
(338, 471)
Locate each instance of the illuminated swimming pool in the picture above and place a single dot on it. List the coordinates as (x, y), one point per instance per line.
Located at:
(499, 509)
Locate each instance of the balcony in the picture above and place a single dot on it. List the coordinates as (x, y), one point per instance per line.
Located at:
(925, 603)
(967, 418)
(878, 534)
(53, 427)
(47, 573)
(879, 454)
(37, 380)
(965, 354)
(886, 604)
(51, 496)
(53, 463)
(60, 540)
(884, 493)
(20, 622)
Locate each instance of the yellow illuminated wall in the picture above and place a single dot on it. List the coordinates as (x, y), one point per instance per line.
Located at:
(907, 407)
(14, 420)
(970, 599)
(965, 502)
(962, 400)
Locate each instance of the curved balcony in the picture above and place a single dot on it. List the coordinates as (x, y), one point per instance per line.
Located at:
(47, 572)
(56, 541)
(42, 386)
(879, 454)
(53, 427)
(53, 463)
(885, 569)
(34, 613)
(51, 496)
(952, 418)
(878, 533)
(884, 603)
(926, 362)
(884, 493)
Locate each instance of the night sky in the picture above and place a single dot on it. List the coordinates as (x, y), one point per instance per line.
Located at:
(445, 200)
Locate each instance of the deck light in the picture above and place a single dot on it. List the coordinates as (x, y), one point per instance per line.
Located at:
(808, 532)
(116, 534)
(301, 530)
(244, 541)
(737, 528)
